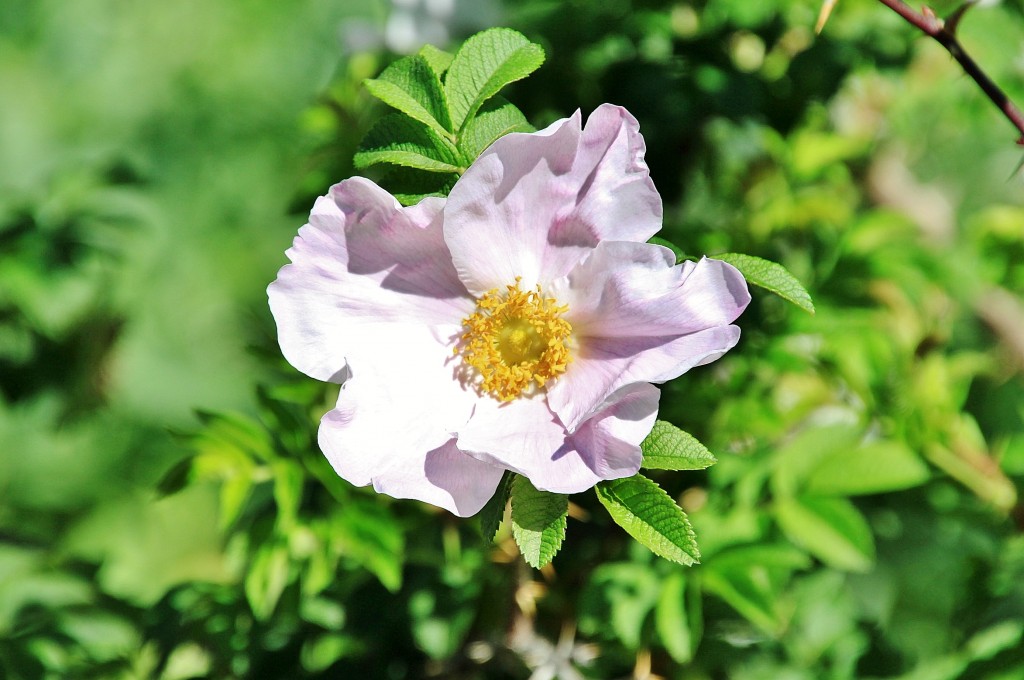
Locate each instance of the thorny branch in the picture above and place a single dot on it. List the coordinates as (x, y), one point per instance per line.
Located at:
(944, 32)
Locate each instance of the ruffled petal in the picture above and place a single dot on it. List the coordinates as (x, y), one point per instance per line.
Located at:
(525, 437)
(533, 205)
(604, 365)
(394, 424)
(363, 260)
(637, 317)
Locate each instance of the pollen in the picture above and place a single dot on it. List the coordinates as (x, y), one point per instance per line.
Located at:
(516, 341)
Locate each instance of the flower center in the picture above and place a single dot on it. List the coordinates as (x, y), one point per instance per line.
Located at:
(516, 341)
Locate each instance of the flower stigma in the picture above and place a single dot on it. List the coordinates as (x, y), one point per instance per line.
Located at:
(516, 340)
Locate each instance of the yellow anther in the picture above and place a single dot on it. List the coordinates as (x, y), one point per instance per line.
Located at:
(516, 341)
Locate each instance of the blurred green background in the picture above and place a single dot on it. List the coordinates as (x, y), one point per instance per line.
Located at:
(164, 510)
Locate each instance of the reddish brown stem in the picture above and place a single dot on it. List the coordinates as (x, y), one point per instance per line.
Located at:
(932, 26)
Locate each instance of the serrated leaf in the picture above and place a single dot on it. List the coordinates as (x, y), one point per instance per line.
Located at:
(669, 448)
(494, 511)
(649, 515)
(772, 277)
(438, 60)
(410, 186)
(831, 529)
(538, 521)
(412, 86)
(496, 119)
(484, 64)
(399, 140)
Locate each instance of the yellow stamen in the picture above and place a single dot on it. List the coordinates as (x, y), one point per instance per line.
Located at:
(516, 341)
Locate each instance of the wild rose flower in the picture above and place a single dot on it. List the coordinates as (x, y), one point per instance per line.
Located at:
(516, 326)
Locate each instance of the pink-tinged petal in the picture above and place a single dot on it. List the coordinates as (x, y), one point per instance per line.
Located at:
(533, 205)
(524, 436)
(636, 289)
(637, 317)
(394, 422)
(604, 365)
(362, 260)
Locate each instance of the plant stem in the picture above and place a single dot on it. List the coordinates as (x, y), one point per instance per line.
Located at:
(936, 28)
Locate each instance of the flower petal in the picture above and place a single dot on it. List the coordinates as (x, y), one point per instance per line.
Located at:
(362, 260)
(638, 318)
(394, 422)
(533, 205)
(525, 437)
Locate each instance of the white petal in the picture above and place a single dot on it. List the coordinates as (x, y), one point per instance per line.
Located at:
(638, 318)
(394, 423)
(362, 261)
(533, 205)
(525, 437)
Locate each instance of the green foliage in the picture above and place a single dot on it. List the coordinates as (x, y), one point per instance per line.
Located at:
(485, 64)
(770, 276)
(493, 513)
(650, 516)
(449, 113)
(669, 448)
(538, 521)
(860, 521)
(412, 86)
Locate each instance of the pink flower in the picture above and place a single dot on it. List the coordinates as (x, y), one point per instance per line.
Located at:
(516, 326)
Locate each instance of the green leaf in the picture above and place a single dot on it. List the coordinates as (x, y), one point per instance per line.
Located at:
(370, 535)
(496, 119)
(831, 529)
(410, 186)
(877, 467)
(797, 459)
(412, 86)
(669, 448)
(438, 60)
(538, 521)
(492, 514)
(617, 603)
(650, 516)
(266, 579)
(484, 64)
(770, 276)
(670, 619)
(399, 140)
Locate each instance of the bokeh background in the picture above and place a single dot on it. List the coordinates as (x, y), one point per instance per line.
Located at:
(164, 510)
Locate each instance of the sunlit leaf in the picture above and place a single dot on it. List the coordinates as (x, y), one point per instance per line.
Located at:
(772, 277)
(538, 521)
(412, 86)
(649, 515)
(484, 64)
(669, 448)
(438, 60)
(496, 119)
(831, 529)
(872, 468)
(398, 140)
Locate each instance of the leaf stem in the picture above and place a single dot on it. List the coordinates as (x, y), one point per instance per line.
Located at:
(945, 35)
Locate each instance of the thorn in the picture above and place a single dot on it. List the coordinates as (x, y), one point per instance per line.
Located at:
(953, 20)
(826, 10)
(1016, 171)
